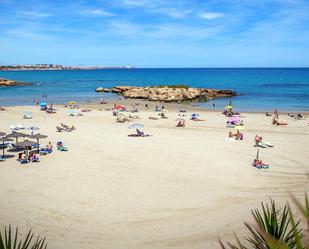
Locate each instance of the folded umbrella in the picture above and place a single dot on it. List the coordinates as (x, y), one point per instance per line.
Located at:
(136, 126)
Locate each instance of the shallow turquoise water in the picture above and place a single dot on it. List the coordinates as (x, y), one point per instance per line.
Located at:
(260, 88)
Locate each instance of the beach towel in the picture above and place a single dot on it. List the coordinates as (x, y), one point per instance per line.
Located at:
(62, 148)
(261, 166)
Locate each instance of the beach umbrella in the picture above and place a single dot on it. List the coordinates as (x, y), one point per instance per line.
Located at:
(195, 114)
(239, 127)
(119, 107)
(136, 126)
(72, 103)
(43, 104)
(38, 137)
(16, 135)
(5, 141)
(26, 145)
(228, 107)
(164, 110)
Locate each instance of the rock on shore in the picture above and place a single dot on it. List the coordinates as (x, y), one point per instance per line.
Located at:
(168, 93)
(7, 83)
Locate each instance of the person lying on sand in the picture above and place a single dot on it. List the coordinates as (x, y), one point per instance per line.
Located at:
(2, 108)
(257, 139)
(275, 121)
(133, 116)
(49, 147)
(140, 133)
(163, 115)
(260, 143)
(181, 123)
(67, 128)
(239, 135)
(34, 158)
(259, 164)
(22, 158)
(61, 147)
(153, 118)
(231, 135)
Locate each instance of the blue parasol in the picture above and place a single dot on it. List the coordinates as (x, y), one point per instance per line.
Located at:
(136, 126)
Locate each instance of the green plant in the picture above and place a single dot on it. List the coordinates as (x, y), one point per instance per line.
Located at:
(275, 229)
(9, 240)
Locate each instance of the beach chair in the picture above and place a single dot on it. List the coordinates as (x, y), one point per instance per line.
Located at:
(27, 115)
(59, 129)
(16, 148)
(20, 127)
(51, 110)
(43, 106)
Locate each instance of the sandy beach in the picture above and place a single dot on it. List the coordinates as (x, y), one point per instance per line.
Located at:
(179, 188)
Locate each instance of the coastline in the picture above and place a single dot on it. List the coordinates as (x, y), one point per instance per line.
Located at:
(190, 107)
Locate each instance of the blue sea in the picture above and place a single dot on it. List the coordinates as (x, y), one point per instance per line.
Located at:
(260, 89)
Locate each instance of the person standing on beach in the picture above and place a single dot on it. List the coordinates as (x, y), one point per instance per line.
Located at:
(214, 105)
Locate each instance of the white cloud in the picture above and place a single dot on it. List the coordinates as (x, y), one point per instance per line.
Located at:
(164, 7)
(100, 12)
(34, 14)
(175, 13)
(163, 31)
(96, 12)
(210, 15)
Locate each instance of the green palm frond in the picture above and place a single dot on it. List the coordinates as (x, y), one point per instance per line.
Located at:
(9, 240)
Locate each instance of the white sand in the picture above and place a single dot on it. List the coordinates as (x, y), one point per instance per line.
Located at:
(180, 188)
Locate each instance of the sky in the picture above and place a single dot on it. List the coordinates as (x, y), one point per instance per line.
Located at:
(156, 33)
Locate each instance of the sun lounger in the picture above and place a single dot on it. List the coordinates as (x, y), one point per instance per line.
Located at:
(59, 129)
(27, 115)
(20, 127)
(51, 110)
(24, 161)
(265, 145)
(136, 135)
(16, 148)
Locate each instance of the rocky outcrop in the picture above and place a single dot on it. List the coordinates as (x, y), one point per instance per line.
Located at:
(7, 83)
(169, 93)
(102, 89)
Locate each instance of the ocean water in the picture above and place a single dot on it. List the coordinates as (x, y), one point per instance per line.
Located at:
(260, 89)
